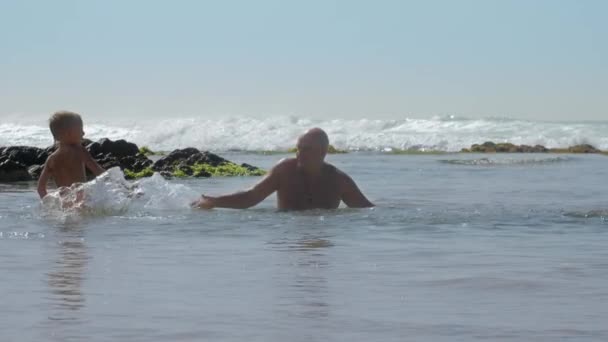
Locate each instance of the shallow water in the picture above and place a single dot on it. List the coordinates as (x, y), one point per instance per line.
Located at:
(509, 248)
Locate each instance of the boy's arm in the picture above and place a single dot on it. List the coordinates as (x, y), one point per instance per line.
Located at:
(91, 164)
(243, 199)
(44, 178)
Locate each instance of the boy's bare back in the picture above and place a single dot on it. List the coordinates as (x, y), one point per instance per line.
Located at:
(67, 164)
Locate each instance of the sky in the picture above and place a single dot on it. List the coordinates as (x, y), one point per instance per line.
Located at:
(532, 59)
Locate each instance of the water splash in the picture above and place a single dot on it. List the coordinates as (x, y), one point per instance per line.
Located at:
(111, 194)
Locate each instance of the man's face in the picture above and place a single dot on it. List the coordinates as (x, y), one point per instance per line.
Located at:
(310, 153)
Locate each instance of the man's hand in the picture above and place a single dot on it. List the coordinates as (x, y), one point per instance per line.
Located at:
(205, 202)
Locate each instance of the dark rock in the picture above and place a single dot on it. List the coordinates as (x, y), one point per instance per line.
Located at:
(166, 174)
(12, 171)
(205, 158)
(249, 167)
(507, 148)
(108, 161)
(490, 147)
(26, 163)
(134, 163)
(168, 162)
(202, 174)
(141, 162)
(119, 148)
(35, 171)
(584, 148)
(94, 149)
(187, 170)
(25, 155)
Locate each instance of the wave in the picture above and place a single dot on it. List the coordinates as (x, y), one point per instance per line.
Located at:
(280, 133)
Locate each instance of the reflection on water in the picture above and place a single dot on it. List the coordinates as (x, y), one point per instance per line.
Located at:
(302, 286)
(66, 278)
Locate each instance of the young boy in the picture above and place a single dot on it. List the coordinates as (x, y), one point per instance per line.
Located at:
(67, 164)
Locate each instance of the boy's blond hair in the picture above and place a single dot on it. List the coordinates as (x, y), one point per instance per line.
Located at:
(61, 120)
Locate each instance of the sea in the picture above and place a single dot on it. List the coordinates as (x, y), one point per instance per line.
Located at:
(460, 247)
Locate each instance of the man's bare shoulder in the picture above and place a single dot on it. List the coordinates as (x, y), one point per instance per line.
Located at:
(341, 176)
(285, 165)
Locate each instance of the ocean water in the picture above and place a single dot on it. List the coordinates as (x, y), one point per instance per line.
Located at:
(459, 248)
(448, 133)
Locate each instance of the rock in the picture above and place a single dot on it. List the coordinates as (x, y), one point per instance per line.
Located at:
(490, 147)
(184, 169)
(35, 171)
(26, 163)
(249, 167)
(506, 148)
(12, 171)
(188, 156)
(135, 163)
(108, 161)
(119, 148)
(487, 147)
(168, 162)
(584, 148)
(201, 174)
(205, 158)
(25, 155)
(166, 174)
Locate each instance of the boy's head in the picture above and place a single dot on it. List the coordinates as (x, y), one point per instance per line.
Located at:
(66, 127)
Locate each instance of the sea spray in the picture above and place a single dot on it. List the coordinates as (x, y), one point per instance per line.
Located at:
(111, 194)
(280, 133)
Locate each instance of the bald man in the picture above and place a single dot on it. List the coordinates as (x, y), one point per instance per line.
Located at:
(301, 183)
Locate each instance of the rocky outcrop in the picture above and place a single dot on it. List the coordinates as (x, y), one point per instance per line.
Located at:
(192, 162)
(25, 163)
(12, 171)
(491, 147)
(583, 148)
(119, 153)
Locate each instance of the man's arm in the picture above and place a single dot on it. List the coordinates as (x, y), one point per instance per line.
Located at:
(244, 199)
(44, 178)
(351, 195)
(90, 163)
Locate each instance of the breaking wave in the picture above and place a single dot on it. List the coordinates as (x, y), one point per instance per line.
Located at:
(279, 133)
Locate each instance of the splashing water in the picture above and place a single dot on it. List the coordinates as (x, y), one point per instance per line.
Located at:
(111, 194)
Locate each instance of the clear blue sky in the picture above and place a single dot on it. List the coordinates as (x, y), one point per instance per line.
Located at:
(528, 59)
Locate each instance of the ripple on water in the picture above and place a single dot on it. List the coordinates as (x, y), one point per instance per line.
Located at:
(21, 235)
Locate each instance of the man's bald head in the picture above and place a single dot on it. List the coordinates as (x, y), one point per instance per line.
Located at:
(316, 136)
(312, 148)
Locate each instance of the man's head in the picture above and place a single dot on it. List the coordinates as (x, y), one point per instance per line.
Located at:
(66, 127)
(312, 148)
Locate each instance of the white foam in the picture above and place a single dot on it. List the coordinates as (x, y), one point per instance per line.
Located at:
(111, 194)
(280, 133)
